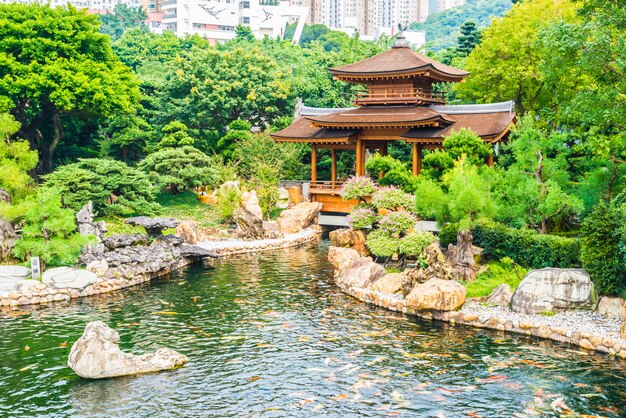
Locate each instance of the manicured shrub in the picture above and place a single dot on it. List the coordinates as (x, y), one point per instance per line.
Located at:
(392, 198)
(114, 187)
(396, 224)
(358, 187)
(525, 247)
(48, 230)
(177, 169)
(361, 218)
(602, 234)
(380, 244)
(228, 199)
(416, 242)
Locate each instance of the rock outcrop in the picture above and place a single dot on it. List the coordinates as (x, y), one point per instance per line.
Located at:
(464, 265)
(250, 202)
(14, 272)
(153, 226)
(349, 238)
(611, 307)
(86, 224)
(298, 217)
(500, 296)
(352, 270)
(437, 267)
(68, 277)
(97, 355)
(552, 289)
(437, 295)
(249, 226)
(389, 283)
(192, 233)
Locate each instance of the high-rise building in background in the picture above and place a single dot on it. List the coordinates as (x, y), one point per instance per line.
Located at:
(449, 4)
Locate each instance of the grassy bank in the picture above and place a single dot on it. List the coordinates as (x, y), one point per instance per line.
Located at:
(496, 273)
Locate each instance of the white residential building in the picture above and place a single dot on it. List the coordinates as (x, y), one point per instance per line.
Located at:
(449, 4)
(216, 20)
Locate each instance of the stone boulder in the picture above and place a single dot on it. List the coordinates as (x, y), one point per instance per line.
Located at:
(349, 238)
(361, 272)
(97, 355)
(192, 233)
(153, 226)
(272, 230)
(86, 224)
(249, 226)
(298, 217)
(340, 257)
(437, 267)
(501, 296)
(550, 289)
(14, 272)
(114, 241)
(463, 259)
(611, 307)
(283, 198)
(68, 277)
(389, 283)
(437, 295)
(250, 202)
(7, 232)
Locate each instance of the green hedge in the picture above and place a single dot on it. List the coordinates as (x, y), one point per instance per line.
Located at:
(527, 248)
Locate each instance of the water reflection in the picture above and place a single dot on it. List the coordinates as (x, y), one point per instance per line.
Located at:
(269, 335)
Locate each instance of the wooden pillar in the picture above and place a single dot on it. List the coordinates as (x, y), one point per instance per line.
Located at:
(490, 158)
(313, 163)
(383, 152)
(333, 166)
(359, 157)
(417, 159)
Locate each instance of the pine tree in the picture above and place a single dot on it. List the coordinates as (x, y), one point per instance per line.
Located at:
(469, 38)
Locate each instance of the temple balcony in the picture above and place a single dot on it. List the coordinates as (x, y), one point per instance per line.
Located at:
(396, 96)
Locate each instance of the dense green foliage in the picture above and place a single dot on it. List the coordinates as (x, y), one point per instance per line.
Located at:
(58, 73)
(123, 18)
(392, 198)
(381, 244)
(414, 243)
(358, 188)
(525, 247)
(603, 248)
(177, 169)
(48, 229)
(112, 186)
(361, 218)
(504, 271)
(16, 159)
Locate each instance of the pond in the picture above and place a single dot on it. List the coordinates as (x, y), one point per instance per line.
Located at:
(270, 335)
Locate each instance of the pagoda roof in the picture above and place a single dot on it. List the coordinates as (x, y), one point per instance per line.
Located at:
(398, 61)
(301, 130)
(382, 116)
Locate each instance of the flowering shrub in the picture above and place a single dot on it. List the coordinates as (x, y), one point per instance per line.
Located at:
(416, 242)
(357, 187)
(391, 197)
(361, 218)
(380, 244)
(395, 224)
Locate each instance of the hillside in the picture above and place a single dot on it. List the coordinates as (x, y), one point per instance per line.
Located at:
(442, 28)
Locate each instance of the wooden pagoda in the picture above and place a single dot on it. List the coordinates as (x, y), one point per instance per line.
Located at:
(399, 103)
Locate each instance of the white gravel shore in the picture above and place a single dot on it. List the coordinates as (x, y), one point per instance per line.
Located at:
(574, 320)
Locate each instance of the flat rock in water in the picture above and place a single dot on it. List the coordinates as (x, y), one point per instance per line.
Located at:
(64, 277)
(552, 289)
(97, 355)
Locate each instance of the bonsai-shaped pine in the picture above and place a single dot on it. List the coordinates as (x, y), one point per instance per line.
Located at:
(48, 229)
(177, 169)
(358, 187)
(175, 134)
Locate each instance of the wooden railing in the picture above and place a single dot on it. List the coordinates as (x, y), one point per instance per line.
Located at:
(326, 185)
(408, 95)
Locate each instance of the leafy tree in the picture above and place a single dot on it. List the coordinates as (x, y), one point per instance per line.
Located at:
(126, 137)
(395, 173)
(238, 131)
(465, 142)
(533, 191)
(16, 159)
(175, 135)
(430, 199)
(123, 18)
(469, 194)
(469, 38)
(505, 65)
(436, 163)
(112, 186)
(244, 33)
(602, 240)
(51, 76)
(48, 229)
(184, 167)
(207, 89)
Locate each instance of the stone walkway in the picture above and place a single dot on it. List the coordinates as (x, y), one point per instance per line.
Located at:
(238, 246)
